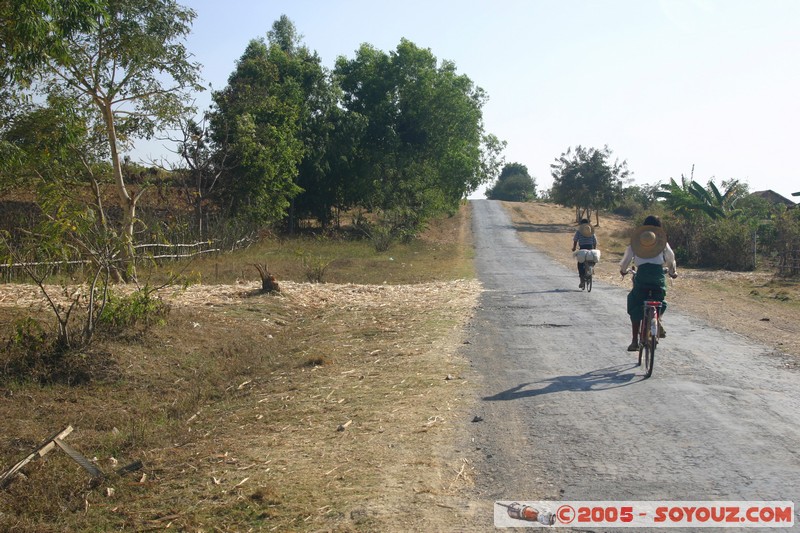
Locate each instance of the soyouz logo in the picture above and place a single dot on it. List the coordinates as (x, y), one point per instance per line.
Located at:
(644, 514)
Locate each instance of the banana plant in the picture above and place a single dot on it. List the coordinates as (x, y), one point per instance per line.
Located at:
(690, 197)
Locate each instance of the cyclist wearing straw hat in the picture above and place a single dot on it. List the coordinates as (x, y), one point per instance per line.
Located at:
(586, 240)
(650, 252)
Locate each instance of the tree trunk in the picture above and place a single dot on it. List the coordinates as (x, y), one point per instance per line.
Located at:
(127, 202)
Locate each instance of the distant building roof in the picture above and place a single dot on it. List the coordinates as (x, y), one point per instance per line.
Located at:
(775, 198)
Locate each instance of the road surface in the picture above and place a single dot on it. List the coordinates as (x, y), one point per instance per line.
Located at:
(567, 415)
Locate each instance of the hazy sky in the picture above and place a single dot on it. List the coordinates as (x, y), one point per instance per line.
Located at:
(666, 84)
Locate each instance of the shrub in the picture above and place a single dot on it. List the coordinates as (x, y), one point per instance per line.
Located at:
(142, 308)
(314, 266)
(725, 243)
(25, 349)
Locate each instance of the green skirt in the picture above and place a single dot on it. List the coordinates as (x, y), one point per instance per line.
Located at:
(648, 277)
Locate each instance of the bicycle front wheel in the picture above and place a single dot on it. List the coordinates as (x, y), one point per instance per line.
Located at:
(643, 328)
(589, 284)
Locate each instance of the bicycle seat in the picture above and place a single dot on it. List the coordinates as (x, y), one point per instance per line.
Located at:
(653, 293)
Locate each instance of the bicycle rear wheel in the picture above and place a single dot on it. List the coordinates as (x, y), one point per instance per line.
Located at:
(588, 274)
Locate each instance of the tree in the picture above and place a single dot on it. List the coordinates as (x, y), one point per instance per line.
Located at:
(328, 173)
(200, 168)
(57, 155)
(635, 198)
(586, 180)
(423, 147)
(257, 119)
(514, 184)
(128, 64)
(320, 120)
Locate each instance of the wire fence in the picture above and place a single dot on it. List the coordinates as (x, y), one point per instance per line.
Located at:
(10, 272)
(788, 263)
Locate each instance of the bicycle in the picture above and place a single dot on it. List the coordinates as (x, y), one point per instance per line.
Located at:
(648, 334)
(649, 326)
(588, 272)
(589, 258)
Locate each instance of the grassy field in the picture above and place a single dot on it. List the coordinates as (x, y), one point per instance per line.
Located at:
(324, 407)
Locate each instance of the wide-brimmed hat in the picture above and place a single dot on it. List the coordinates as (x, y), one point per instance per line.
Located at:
(586, 230)
(648, 241)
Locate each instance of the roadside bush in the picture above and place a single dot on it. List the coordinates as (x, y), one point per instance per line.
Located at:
(31, 355)
(628, 208)
(787, 243)
(141, 309)
(725, 244)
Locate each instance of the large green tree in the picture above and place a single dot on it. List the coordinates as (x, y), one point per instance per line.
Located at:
(321, 124)
(588, 180)
(260, 117)
(129, 65)
(423, 147)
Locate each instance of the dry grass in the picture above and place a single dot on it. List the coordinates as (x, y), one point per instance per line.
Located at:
(755, 304)
(326, 407)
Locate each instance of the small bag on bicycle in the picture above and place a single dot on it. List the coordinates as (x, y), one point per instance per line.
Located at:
(593, 256)
(580, 255)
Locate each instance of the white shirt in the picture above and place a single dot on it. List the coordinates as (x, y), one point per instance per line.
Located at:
(667, 257)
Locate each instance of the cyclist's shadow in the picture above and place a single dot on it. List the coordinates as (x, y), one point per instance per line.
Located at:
(596, 380)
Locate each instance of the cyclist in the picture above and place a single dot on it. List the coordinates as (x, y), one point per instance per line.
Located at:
(586, 240)
(650, 252)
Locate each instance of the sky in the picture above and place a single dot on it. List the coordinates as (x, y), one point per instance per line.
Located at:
(667, 85)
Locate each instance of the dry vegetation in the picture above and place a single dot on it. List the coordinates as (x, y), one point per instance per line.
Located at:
(755, 304)
(327, 407)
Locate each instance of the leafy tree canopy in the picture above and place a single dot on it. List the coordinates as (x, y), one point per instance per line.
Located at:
(273, 120)
(587, 179)
(424, 146)
(33, 31)
(514, 184)
(124, 59)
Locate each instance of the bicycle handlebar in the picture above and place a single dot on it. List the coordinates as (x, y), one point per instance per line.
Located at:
(632, 270)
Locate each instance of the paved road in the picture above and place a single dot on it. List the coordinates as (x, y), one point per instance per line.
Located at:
(568, 416)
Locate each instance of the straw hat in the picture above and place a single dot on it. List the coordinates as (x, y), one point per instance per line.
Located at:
(586, 230)
(648, 241)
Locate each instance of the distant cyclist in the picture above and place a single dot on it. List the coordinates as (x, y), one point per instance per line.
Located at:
(585, 239)
(650, 252)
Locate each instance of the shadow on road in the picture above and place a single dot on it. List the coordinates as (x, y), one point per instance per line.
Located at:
(550, 291)
(596, 380)
(544, 228)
